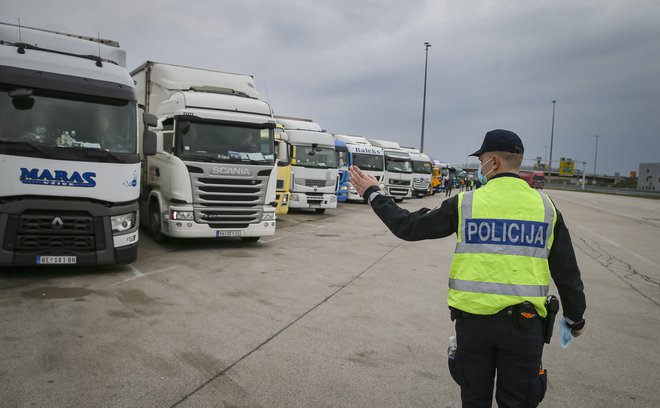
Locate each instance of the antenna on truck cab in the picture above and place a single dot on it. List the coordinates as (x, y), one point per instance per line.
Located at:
(99, 62)
(21, 49)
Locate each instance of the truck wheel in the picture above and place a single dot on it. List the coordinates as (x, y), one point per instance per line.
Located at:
(320, 210)
(250, 239)
(154, 224)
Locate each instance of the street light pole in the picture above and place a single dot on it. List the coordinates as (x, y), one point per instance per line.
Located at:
(552, 135)
(595, 157)
(426, 63)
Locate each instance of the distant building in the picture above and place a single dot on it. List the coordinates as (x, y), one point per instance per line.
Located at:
(648, 178)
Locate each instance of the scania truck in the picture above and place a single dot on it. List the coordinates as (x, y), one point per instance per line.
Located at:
(398, 169)
(368, 158)
(214, 172)
(69, 150)
(314, 173)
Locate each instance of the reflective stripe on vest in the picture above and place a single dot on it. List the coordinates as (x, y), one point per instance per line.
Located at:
(506, 237)
(498, 288)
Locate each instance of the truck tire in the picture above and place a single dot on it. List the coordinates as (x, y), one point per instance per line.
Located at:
(320, 210)
(154, 223)
(250, 239)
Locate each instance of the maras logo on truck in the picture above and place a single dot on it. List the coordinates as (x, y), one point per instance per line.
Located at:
(234, 171)
(57, 178)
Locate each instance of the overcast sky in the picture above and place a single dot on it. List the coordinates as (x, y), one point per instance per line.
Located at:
(357, 67)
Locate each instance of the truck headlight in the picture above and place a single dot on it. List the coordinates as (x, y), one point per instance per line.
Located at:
(268, 216)
(294, 197)
(182, 215)
(344, 188)
(124, 222)
(333, 198)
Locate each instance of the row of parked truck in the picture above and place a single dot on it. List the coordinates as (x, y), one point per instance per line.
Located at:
(89, 152)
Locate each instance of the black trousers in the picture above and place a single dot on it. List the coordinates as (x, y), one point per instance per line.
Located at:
(494, 345)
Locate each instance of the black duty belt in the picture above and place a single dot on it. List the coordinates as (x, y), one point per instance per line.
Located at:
(460, 314)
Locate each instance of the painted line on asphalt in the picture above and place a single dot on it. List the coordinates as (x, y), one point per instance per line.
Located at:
(140, 274)
(273, 336)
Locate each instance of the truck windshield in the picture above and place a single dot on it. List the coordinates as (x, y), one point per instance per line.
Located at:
(52, 121)
(218, 142)
(323, 157)
(371, 162)
(422, 167)
(398, 165)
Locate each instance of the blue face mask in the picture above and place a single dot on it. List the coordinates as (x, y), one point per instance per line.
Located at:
(480, 176)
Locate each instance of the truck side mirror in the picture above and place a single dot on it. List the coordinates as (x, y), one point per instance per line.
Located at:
(282, 163)
(149, 143)
(149, 119)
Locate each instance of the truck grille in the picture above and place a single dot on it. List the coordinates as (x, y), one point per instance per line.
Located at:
(317, 183)
(225, 201)
(314, 198)
(421, 185)
(400, 182)
(64, 230)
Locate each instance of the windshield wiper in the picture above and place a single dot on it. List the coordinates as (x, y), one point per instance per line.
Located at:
(19, 145)
(103, 153)
(200, 157)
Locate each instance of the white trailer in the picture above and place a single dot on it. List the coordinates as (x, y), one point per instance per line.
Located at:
(368, 158)
(398, 169)
(314, 167)
(69, 150)
(214, 172)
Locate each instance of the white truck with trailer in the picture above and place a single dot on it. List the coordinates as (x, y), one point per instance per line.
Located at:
(314, 167)
(368, 158)
(398, 169)
(214, 173)
(69, 150)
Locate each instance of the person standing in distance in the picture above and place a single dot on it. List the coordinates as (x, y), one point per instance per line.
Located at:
(511, 240)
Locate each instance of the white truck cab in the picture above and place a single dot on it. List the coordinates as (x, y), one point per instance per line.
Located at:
(422, 170)
(368, 158)
(214, 172)
(69, 150)
(398, 169)
(314, 167)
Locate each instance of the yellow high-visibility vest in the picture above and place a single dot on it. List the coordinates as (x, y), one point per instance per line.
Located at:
(505, 232)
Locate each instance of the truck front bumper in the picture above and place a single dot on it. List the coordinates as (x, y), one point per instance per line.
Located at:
(190, 229)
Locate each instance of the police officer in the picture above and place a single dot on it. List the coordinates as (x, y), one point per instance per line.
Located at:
(511, 240)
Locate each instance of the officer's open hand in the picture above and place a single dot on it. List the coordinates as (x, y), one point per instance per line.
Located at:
(361, 180)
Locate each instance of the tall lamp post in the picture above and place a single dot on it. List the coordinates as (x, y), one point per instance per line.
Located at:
(552, 135)
(426, 63)
(595, 158)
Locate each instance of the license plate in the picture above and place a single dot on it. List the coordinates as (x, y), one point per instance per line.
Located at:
(55, 260)
(228, 233)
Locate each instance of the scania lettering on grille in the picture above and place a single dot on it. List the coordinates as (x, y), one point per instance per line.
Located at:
(505, 232)
(234, 171)
(57, 177)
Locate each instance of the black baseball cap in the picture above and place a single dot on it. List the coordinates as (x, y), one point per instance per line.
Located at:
(500, 140)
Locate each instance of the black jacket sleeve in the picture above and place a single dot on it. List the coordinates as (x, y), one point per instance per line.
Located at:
(566, 275)
(414, 226)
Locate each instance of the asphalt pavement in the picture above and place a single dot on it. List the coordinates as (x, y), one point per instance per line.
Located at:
(332, 311)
